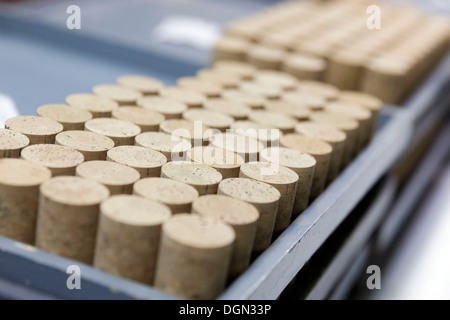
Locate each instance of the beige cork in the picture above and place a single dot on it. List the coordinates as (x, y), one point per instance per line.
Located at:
(194, 256)
(294, 110)
(346, 68)
(192, 99)
(143, 84)
(118, 178)
(146, 119)
(241, 216)
(226, 162)
(268, 136)
(146, 161)
(248, 148)
(243, 70)
(61, 160)
(230, 48)
(310, 100)
(172, 146)
(302, 164)
(328, 91)
(39, 130)
(274, 119)
(245, 29)
(12, 143)
(207, 88)
(128, 237)
(122, 95)
(92, 145)
(71, 118)
(320, 150)
(194, 131)
(99, 107)
(121, 132)
(252, 101)
(19, 195)
(283, 179)
(261, 195)
(198, 175)
(263, 90)
(335, 137)
(212, 119)
(237, 110)
(178, 196)
(227, 80)
(68, 217)
(305, 67)
(263, 57)
(277, 79)
(168, 107)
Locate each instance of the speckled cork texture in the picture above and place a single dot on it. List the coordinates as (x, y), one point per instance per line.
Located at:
(238, 111)
(92, 145)
(178, 196)
(206, 88)
(313, 101)
(209, 118)
(263, 90)
(274, 119)
(173, 147)
(68, 217)
(242, 69)
(19, 194)
(245, 146)
(276, 79)
(194, 131)
(168, 107)
(238, 214)
(252, 101)
(12, 143)
(122, 95)
(39, 130)
(194, 256)
(121, 132)
(305, 67)
(70, 118)
(143, 84)
(261, 195)
(146, 119)
(99, 107)
(231, 48)
(328, 91)
(267, 135)
(192, 99)
(128, 237)
(292, 110)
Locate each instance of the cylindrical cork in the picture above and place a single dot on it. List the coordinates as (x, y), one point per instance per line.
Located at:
(214, 120)
(293, 110)
(343, 123)
(118, 178)
(178, 196)
(194, 256)
(122, 95)
(99, 107)
(198, 175)
(230, 48)
(245, 146)
(346, 69)
(92, 145)
(70, 118)
(283, 179)
(244, 70)
(263, 57)
(302, 164)
(261, 195)
(274, 119)
(278, 79)
(168, 107)
(250, 100)
(263, 90)
(146, 161)
(336, 138)
(19, 195)
(194, 131)
(174, 147)
(128, 237)
(226, 162)
(268, 136)
(207, 88)
(313, 101)
(61, 160)
(39, 130)
(320, 150)
(227, 80)
(305, 67)
(328, 91)
(237, 110)
(145, 85)
(68, 217)
(12, 143)
(146, 119)
(241, 216)
(192, 99)
(121, 132)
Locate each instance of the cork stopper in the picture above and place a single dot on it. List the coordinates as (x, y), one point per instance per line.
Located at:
(178, 196)
(305, 67)
(293, 110)
(209, 118)
(143, 84)
(250, 100)
(261, 89)
(61, 160)
(312, 101)
(122, 95)
(172, 146)
(12, 143)
(227, 80)
(274, 119)
(321, 131)
(325, 90)
(118, 178)
(230, 48)
(312, 146)
(289, 158)
(264, 57)
(168, 107)
(206, 88)
(277, 79)
(267, 135)
(121, 132)
(146, 161)
(351, 110)
(201, 176)
(92, 145)
(37, 129)
(193, 131)
(224, 161)
(248, 148)
(191, 99)
(237, 110)
(99, 107)
(365, 100)
(71, 118)
(22, 173)
(242, 69)
(146, 119)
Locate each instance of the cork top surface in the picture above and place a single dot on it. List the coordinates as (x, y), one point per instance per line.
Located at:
(166, 190)
(112, 127)
(348, 109)
(289, 158)
(22, 173)
(184, 128)
(52, 156)
(117, 93)
(266, 53)
(12, 140)
(233, 109)
(188, 97)
(138, 116)
(108, 173)
(74, 191)
(389, 66)
(276, 78)
(249, 99)
(162, 142)
(232, 44)
(225, 79)
(137, 157)
(195, 174)
(33, 125)
(263, 133)
(91, 102)
(199, 232)
(211, 119)
(282, 106)
(363, 99)
(242, 69)
(140, 83)
(275, 119)
(262, 89)
(168, 106)
(215, 157)
(351, 57)
(269, 173)
(326, 90)
(135, 211)
(63, 113)
(305, 62)
(314, 147)
(241, 144)
(321, 131)
(230, 210)
(84, 140)
(311, 100)
(339, 121)
(249, 190)
(208, 88)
